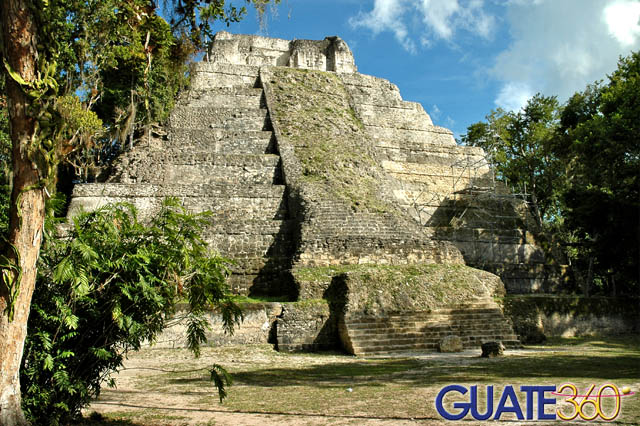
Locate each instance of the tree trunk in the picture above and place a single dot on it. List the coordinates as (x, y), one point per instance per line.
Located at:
(27, 209)
(587, 283)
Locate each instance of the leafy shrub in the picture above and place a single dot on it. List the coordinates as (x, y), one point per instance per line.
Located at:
(105, 289)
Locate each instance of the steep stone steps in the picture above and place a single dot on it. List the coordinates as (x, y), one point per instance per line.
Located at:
(434, 135)
(444, 325)
(414, 333)
(222, 133)
(220, 174)
(254, 239)
(261, 206)
(224, 141)
(474, 323)
(201, 167)
(179, 156)
(227, 97)
(131, 190)
(259, 226)
(221, 149)
(247, 245)
(423, 335)
(188, 117)
(207, 75)
(226, 209)
(406, 115)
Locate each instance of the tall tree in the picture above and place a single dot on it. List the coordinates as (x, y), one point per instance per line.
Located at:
(580, 164)
(518, 144)
(20, 54)
(600, 144)
(30, 33)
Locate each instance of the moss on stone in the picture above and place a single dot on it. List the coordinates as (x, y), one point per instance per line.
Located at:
(570, 315)
(396, 288)
(313, 112)
(307, 304)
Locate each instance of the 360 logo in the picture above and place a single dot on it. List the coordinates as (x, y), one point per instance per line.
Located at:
(588, 406)
(595, 404)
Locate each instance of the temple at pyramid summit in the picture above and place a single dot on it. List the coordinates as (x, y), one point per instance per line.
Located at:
(333, 194)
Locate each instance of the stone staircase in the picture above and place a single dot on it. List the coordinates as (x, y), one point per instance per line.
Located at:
(475, 323)
(219, 156)
(229, 131)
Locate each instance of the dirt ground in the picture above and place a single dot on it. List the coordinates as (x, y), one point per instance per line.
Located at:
(137, 399)
(170, 387)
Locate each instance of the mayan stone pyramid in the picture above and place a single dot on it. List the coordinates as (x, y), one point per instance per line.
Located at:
(329, 190)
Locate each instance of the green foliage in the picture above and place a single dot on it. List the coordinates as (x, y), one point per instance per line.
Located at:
(221, 379)
(600, 143)
(78, 119)
(107, 288)
(197, 17)
(41, 93)
(119, 58)
(141, 71)
(518, 144)
(580, 164)
(122, 60)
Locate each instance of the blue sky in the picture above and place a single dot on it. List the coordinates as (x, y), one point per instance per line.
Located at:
(463, 58)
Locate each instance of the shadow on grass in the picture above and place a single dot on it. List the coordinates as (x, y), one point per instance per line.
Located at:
(414, 372)
(562, 366)
(96, 419)
(262, 413)
(327, 375)
(629, 342)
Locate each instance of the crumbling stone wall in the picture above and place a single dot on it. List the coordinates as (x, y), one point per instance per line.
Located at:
(536, 317)
(256, 327)
(330, 54)
(306, 326)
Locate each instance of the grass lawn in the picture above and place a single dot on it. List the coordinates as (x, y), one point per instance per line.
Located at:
(162, 386)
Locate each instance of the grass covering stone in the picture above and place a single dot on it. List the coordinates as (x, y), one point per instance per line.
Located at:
(394, 288)
(313, 112)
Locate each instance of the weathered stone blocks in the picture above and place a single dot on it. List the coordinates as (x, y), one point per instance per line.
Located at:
(306, 326)
(258, 323)
(492, 349)
(206, 75)
(450, 343)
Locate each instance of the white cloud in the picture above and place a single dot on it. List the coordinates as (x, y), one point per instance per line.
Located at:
(623, 21)
(441, 19)
(513, 96)
(386, 16)
(435, 112)
(436, 14)
(559, 47)
(449, 122)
